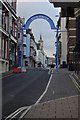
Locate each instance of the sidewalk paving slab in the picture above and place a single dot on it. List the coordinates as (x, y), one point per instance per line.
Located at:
(59, 108)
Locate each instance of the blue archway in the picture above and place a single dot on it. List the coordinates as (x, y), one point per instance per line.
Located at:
(52, 25)
(40, 16)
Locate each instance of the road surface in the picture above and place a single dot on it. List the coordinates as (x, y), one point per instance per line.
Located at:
(24, 89)
(60, 86)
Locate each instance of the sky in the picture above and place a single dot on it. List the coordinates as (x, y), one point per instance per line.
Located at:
(28, 8)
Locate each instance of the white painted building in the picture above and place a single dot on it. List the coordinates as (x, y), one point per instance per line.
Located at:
(63, 41)
(50, 61)
(41, 59)
(41, 56)
(24, 47)
(45, 60)
(31, 49)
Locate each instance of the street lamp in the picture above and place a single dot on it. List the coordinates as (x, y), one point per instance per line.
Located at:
(57, 44)
(21, 48)
(22, 33)
(57, 48)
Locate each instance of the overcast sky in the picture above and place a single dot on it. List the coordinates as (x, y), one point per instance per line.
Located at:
(40, 26)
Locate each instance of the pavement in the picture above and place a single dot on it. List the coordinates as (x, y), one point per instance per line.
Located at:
(7, 73)
(67, 106)
(59, 108)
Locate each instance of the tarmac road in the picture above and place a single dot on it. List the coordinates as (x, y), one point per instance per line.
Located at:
(61, 86)
(22, 89)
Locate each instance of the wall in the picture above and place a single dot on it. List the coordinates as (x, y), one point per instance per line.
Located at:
(64, 41)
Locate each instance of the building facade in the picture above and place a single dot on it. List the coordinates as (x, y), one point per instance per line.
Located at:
(50, 61)
(77, 46)
(31, 49)
(8, 35)
(22, 43)
(41, 55)
(63, 41)
(71, 10)
(71, 41)
(73, 46)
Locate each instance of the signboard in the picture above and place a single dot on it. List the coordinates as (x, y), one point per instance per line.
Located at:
(40, 16)
(65, 3)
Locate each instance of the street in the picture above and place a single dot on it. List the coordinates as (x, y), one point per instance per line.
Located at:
(23, 89)
(61, 100)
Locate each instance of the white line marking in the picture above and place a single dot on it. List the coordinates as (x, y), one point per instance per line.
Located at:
(20, 109)
(75, 83)
(38, 99)
(7, 75)
(25, 113)
(77, 77)
(58, 99)
(44, 91)
(53, 92)
(15, 112)
(67, 97)
(18, 113)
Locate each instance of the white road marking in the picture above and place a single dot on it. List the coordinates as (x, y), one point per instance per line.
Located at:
(67, 97)
(38, 99)
(44, 91)
(75, 83)
(18, 113)
(53, 92)
(77, 77)
(7, 75)
(25, 112)
(13, 115)
(58, 99)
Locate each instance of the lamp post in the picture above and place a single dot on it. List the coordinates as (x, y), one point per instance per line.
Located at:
(21, 47)
(22, 33)
(57, 48)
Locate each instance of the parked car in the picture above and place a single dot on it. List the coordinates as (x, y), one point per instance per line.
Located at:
(17, 70)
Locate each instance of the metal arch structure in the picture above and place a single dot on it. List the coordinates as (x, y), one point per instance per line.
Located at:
(40, 16)
(53, 27)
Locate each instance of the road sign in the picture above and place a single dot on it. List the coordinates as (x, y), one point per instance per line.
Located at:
(40, 16)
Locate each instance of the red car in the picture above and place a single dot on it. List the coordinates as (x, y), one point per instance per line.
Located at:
(17, 70)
